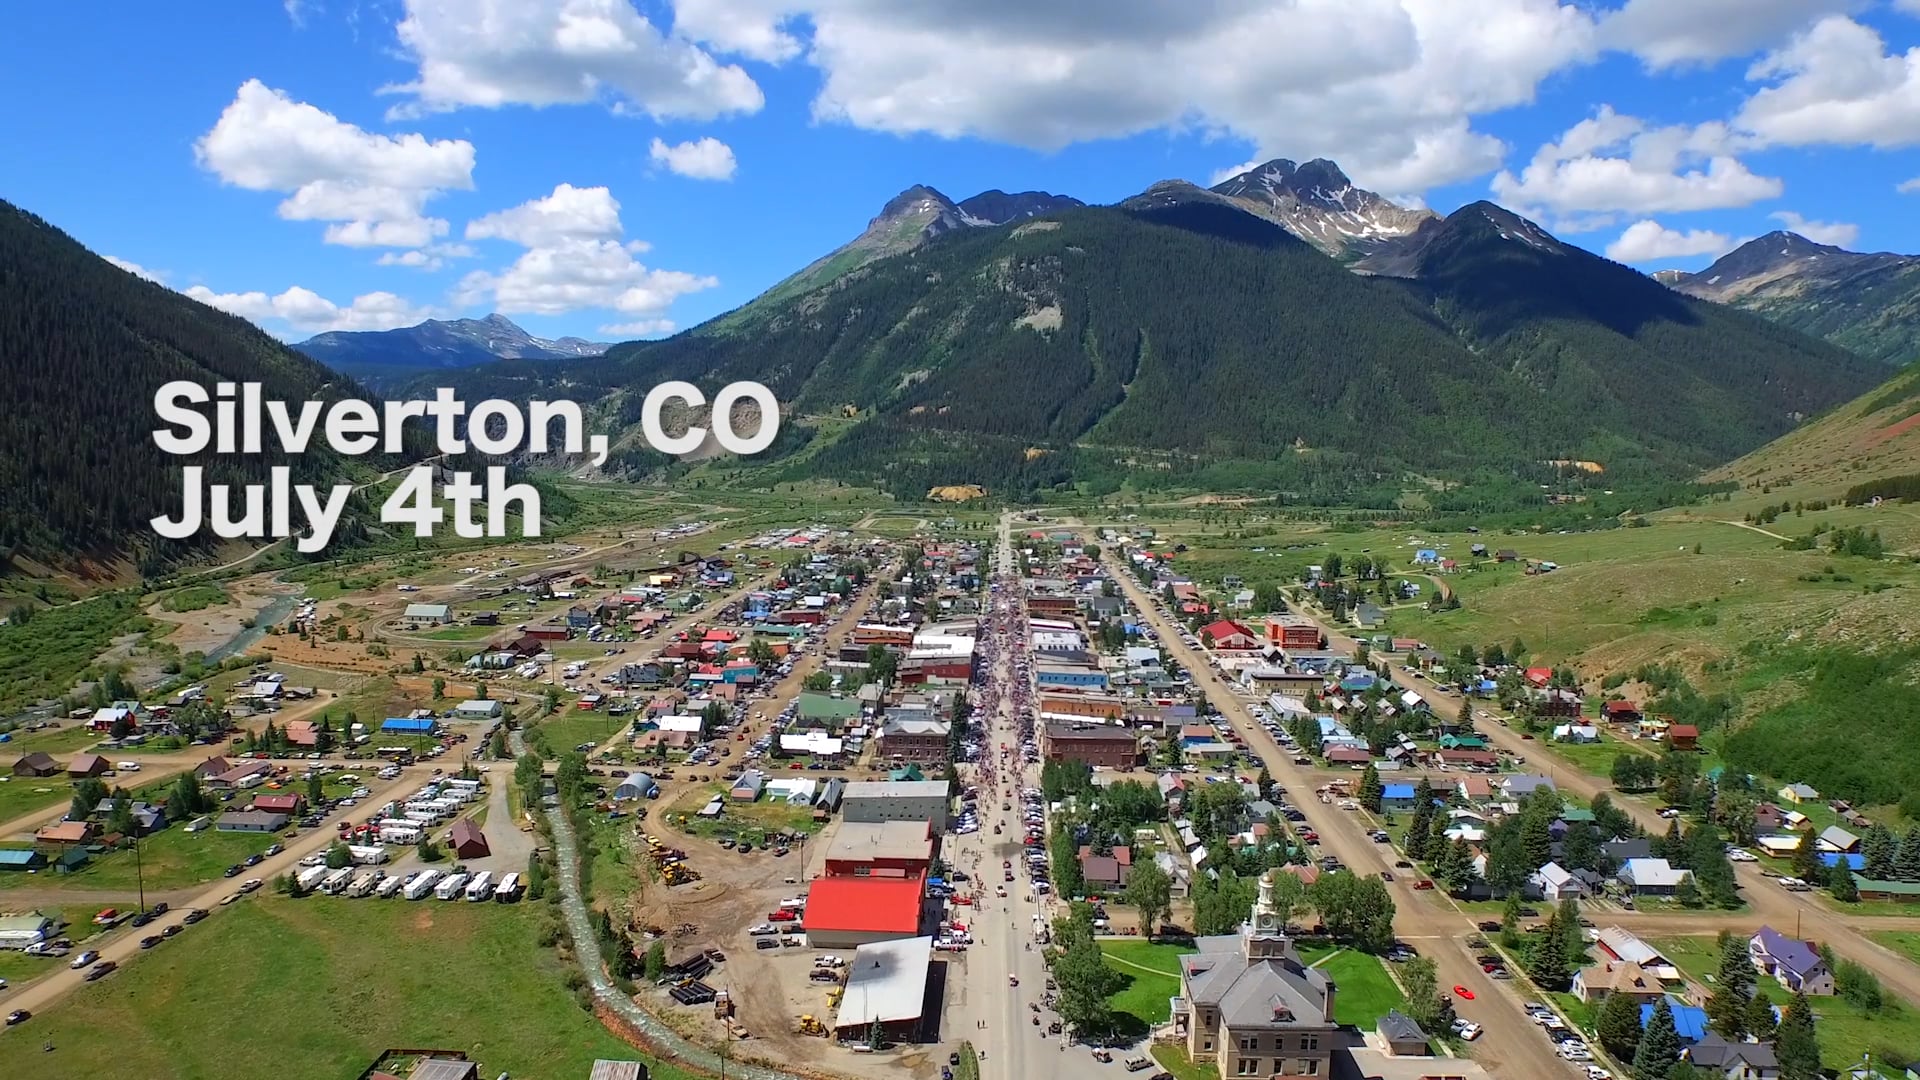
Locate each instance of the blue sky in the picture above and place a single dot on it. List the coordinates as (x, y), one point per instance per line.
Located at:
(613, 169)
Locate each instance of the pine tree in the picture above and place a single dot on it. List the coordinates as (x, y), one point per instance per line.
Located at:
(1906, 865)
(1795, 1045)
(1840, 884)
(1659, 1045)
(1732, 989)
(1880, 850)
(1806, 858)
(1760, 1022)
(1371, 790)
(1619, 1026)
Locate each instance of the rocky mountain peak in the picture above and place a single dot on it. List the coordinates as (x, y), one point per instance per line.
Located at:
(996, 207)
(1318, 203)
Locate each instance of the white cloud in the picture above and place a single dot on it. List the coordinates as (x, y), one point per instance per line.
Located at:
(641, 328)
(707, 159)
(1668, 32)
(574, 260)
(1836, 84)
(309, 312)
(570, 213)
(373, 188)
(158, 277)
(492, 53)
(432, 257)
(1652, 170)
(296, 12)
(1836, 233)
(1910, 187)
(751, 28)
(1646, 240)
(1910, 6)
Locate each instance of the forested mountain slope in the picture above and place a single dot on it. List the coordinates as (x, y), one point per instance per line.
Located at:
(1185, 326)
(1873, 436)
(84, 345)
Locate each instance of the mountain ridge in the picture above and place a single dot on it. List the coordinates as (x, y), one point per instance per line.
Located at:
(379, 355)
(1868, 302)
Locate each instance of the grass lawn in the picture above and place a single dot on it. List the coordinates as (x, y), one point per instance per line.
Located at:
(1905, 943)
(458, 633)
(322, 995)
(570, 727)
(170, 859)
(748, 821)
(1152, 972)
(57, 741)
(26, 794)
(1845, 1032)
(1367, 992)
(1174, 1060)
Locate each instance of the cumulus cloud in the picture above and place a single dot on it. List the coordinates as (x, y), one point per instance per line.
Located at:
(1664, 33)
(1836, 83)
(307, 311)
(640, 328)
(755, 29)
(372, 188)
(1615, 163)
(574, 259)
(158, 277)
(493, 53)
(707, 159)
(1645, 240)
(1912, 186)
(1836, 233)
(432, 257)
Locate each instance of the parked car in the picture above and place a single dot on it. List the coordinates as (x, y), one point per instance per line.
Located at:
(101, 970)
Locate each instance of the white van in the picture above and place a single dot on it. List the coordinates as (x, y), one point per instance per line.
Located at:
(128, 766)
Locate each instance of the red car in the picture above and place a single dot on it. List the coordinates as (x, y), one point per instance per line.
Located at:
(1423, 885)
(1463, 992)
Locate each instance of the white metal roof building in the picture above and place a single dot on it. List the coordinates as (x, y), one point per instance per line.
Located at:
(886, 982)
(897, 800)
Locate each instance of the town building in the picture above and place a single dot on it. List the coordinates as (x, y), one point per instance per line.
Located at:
(918, 738)
(845, 912)
(872, 801)
(887, 985)
(426, 616)
(1250, 1007)
(1098, 745)
(880, 849)
(1796, 965)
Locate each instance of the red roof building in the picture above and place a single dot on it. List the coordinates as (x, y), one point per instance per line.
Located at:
(1348, 755)
(1539, 676)
(280, 804)
(1227, 634)
(1683, 736)
(846, 912)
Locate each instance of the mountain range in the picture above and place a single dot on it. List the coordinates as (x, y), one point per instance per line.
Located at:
(1321, 335)
(1868, 303)
(376, 356)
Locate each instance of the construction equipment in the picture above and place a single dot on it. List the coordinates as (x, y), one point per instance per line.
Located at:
(722, 1005)
(811, 1026)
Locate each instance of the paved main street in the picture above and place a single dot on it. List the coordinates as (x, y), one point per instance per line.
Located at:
(1511, 1045)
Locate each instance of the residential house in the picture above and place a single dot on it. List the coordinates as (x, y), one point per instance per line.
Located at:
(1597, 982)
(1368, 616)
(1651, 877)
(21, 859)
(426, 616)
(292, 804)
(1620, 712)
(1795, 964)
(1618, 852)
(1250, 1007)
(65, 833)
(84, 766)
(1717, 1057)
(1683, 737)
(1799, 793)
(36, 765)
(1576, 733)
(1397, 797)
(1105, 873)
(1554, 882)
(1838, 840)
(1227, 635)
(1689, 1022)
(303, 733)
(211, 767)
(1520, 785)
(256, 821)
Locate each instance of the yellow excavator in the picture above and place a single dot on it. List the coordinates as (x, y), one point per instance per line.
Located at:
(810, 1026)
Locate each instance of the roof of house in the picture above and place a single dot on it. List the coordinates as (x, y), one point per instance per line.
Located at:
(858, 841)
(1397, 1026)
(427, 611)
(439, 1068)
(1792, 954)
(1255, 993)
(1655, 872)
(283, 803)
(86, 763)
(1553, 875)
(465, 831)
(20, 857)
(1525, 784)
(1626, 947)
(604, 1069)
(1397, 791)
(269, 819)
(38, 760)
(884, 905)
(1683, 731)
(1099, 868)
(1621, 976)
(1223, 628)
(1688, 1021)
(886, 980)
(1838, 838)
(65, 832)
(1716, 1053)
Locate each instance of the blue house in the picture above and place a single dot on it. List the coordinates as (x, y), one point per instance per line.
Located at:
(1357, 682)
(1855, 862)
(400, 725)
(1396, 797)
(1426, 556)
(1688, 1021)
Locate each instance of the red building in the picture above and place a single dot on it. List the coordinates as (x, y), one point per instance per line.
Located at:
(881, 849)
(1229, 635)
(1293, 632)
(290, 805)
(1098, 745)
(847, 912)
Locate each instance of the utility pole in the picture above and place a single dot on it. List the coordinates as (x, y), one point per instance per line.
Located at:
(139, 873)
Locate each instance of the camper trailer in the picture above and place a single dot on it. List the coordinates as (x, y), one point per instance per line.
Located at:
(480, 888)
(388, 887)
(310, 877)
(336, 881)
(450, 886)
(509, 889)
(366, 855)
(366, 883)
(421, 884)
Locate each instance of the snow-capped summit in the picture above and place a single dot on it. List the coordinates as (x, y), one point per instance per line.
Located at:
(1316, 202)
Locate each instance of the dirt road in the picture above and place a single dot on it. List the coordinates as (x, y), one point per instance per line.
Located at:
(1511, 1046)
